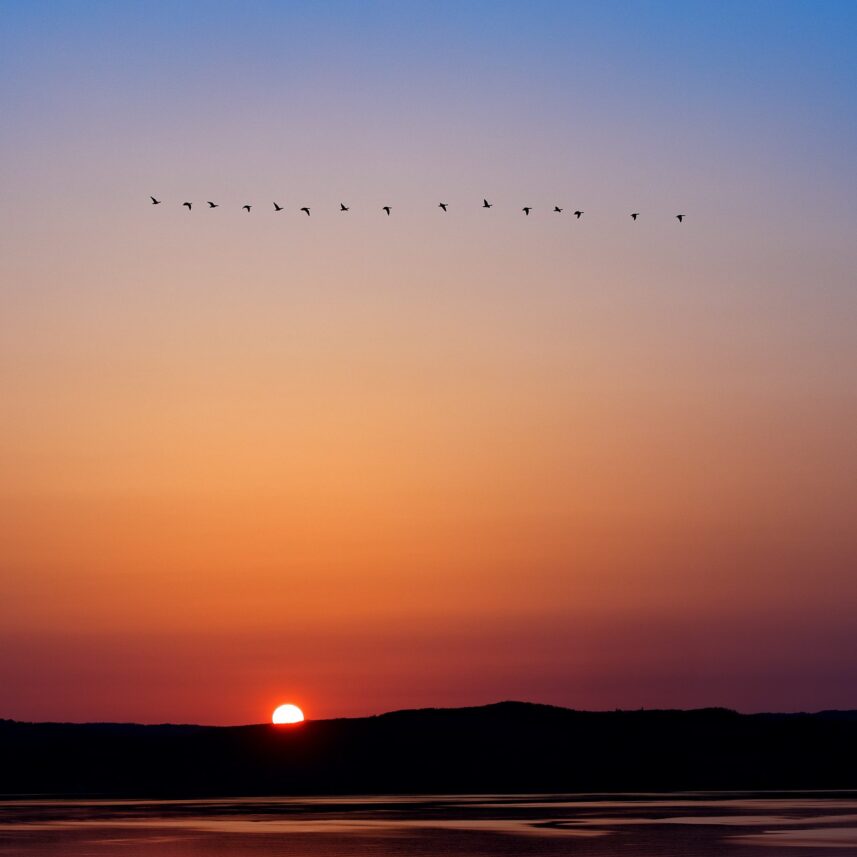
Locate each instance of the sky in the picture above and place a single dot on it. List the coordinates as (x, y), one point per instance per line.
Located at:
(360, 462)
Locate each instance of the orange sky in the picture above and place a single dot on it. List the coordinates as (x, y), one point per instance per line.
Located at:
(361, 462)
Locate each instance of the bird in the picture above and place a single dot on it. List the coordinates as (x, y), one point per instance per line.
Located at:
(246, 208)
(527, 209)
(577, 214)
(557, 209)
(155, 201)
(187, 205)
(679, 217)
(486, 204)
(442, 205)
(343, 207)
(635, 215)
(212, 204)
(278, 207)
(387, 209)
(306, 209)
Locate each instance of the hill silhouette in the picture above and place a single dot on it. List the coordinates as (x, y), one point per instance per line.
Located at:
(504, 747)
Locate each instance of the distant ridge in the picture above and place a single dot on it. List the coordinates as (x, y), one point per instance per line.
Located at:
(502, 708)
(503, 747)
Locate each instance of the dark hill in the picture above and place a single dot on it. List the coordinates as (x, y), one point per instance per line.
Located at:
(510, 746)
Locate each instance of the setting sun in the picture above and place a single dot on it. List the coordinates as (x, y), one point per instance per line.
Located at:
(287, 714)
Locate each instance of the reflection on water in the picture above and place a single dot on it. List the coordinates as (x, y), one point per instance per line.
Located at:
(688, 824)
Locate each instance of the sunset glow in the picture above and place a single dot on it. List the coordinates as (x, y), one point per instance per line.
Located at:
(437, 457)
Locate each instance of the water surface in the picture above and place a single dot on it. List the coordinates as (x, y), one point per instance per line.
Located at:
(689, 824)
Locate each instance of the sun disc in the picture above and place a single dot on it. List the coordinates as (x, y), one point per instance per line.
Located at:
(287, 713)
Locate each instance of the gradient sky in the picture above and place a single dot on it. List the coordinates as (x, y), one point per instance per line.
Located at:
(362, 463)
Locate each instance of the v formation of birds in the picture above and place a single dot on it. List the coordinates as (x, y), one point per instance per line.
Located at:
(387, 209)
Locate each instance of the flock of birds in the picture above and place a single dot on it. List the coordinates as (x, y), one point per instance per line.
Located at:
(388, 208)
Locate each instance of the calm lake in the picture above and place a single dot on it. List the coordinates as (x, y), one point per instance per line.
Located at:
(684, 824)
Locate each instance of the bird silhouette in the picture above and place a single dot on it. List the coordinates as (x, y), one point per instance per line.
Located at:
(343, 207)
(557, 209)
(278, 207)
(635, 215)
(187, 205)
(679, 217)
(442, 205)
(212, 204)
(246, 208)
(577, 214)
(486, 204)
(306, 209)
(387, 209)
(155, 201)
(527, 209)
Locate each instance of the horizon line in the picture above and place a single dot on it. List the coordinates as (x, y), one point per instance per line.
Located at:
(426, 709)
